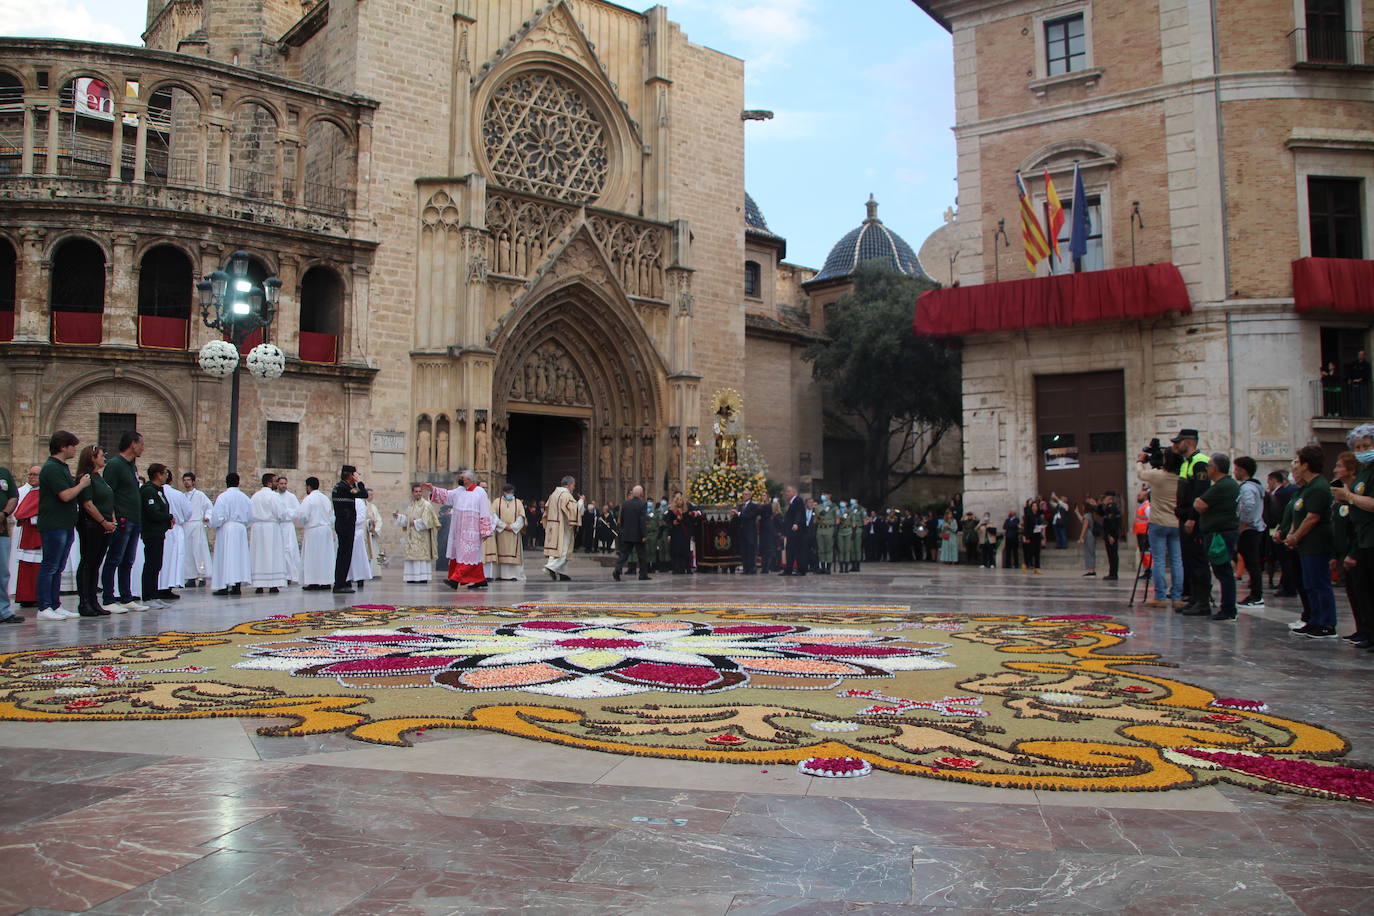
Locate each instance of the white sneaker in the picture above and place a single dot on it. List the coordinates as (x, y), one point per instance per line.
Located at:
(114, 608)
(49, 614)
(157, 604)
(135, 606)
(1297, 625)
(66, 614)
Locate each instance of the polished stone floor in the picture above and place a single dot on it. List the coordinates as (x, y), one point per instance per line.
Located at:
(205, 816)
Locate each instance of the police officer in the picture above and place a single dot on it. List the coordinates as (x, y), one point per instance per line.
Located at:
(1192, 483)
(825, 534)
(346, 490)
(857, 518)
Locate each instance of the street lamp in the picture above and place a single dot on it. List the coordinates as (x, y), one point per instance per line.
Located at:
(231, 303)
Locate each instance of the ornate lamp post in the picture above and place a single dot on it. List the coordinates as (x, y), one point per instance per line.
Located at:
(231, 303)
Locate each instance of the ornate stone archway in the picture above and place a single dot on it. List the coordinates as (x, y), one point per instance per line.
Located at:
(573, 355)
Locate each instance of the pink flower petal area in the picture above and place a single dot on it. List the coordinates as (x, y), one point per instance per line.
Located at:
(595, 657)
(1347, 782)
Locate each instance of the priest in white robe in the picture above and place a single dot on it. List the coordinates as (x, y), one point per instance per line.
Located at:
(419, 521)
(269, 553)
(320, 544)
(470, 526)
(289, 506)
(360, 569)
(505, 553)
(173, 573)
(231, 564)
(562, 518)
(195, 545)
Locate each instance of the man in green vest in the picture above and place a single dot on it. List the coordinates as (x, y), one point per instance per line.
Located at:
(843, 523)
(825, 534)
(857, 515)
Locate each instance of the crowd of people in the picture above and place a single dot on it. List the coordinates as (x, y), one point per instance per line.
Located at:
(136, 538)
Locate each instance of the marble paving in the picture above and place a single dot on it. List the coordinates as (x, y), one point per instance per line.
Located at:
(207, 817)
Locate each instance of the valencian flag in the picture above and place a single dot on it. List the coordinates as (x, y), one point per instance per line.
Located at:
(1031, 232)
(1054, 215)
(1078, 239)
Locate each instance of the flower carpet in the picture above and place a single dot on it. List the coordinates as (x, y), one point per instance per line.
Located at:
(999, 700)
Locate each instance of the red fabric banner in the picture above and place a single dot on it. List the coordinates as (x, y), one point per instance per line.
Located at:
(1123, 294)
(251, 341)
(82, 328)
(318, 348)
(7, 325)
(156, 333)
(1333, 284)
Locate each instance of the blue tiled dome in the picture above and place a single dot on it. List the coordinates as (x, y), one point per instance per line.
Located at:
(753, 216)
(871, 241)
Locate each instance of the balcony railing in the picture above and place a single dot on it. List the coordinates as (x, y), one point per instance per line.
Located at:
(1327, 48)
(1340, 400)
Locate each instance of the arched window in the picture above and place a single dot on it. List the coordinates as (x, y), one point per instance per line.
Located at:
(322, 294)
(753, 280)
(76, 295)
(9, 278)
(165, 286)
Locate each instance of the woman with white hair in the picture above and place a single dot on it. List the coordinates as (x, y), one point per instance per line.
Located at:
(1359, 559)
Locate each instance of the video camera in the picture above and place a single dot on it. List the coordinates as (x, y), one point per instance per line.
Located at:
(1154, 453)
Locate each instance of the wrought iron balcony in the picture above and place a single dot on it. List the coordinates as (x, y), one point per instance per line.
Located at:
(1332, 49)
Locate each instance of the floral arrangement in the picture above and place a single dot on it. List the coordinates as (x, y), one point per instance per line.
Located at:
(219, 358)
(266, 361)
(835, 767)
(957, 763)
(720, 467)
(1329, 780)
(835, 726)
(720, 485)
(725, 738)
(1238, 703)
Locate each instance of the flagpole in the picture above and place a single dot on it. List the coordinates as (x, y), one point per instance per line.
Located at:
(1049, 242)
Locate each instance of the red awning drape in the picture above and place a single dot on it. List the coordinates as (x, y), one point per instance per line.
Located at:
(318, 348)
(1333, 284)
(1053, 302)
(6, 325)
(82, 328)
(155, 333)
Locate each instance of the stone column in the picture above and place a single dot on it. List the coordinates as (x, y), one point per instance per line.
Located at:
(26, 156)
(31, 296)
(121, 294)
(288, 323)
(141, 147)
(362, 169)
(117, 133)
(225, 163)
(356, 331)
(279, 171)
(53, 140)
(28, 440)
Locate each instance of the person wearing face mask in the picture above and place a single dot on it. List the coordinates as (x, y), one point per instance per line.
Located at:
(825, 534)
(1359, 561)
(504, 552)
(856, 534)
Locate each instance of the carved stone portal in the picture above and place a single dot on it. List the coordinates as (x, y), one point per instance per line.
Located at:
(549, 376)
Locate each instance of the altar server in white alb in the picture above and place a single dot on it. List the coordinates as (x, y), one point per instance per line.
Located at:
(289, 506)
(320, 544)
(231, 565)
(562, 516)
(360, 569)
(504, 550)
(195, 564)
(419, 521)
(173, 545)
(470, 526)
(268, 551)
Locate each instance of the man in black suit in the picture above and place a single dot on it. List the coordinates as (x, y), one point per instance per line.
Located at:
(346, 490)
(634, 533)
(748, 514)
(794, 530)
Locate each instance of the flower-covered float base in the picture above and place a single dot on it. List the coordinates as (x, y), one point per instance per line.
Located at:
(995, 700)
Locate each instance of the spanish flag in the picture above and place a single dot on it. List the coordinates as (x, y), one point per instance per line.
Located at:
(1054, 214)
(1031, 232)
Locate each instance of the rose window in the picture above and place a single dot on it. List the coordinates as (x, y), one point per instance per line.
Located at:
(541, 137)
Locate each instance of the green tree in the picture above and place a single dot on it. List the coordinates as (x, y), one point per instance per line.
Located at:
(898, 394)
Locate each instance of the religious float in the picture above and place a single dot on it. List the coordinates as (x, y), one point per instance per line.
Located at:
(717, 471)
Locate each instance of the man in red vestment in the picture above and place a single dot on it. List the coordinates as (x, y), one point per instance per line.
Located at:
(30, 550)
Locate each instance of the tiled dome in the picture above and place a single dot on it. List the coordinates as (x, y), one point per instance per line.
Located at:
(753, 216)
(871, 241)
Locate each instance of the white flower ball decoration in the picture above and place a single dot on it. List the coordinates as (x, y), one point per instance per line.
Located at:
(219, 358)
(266, 361)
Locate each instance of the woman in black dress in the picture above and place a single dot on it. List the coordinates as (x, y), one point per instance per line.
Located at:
(679, 535)
(1033, 527)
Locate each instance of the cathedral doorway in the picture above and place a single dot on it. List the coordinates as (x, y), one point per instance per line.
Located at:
(540, 451)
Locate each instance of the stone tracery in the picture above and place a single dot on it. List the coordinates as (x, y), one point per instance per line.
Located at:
(542, 137)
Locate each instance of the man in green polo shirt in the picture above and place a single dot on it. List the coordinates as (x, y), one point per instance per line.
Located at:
(1219, 523)
(122, 476)
(9, 500)
(57, 508)
(1311, 538)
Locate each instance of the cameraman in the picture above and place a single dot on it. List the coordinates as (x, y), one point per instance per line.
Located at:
(1163, 530)
(1193, 481)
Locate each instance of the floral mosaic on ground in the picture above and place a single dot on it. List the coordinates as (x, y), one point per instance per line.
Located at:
(997, 700)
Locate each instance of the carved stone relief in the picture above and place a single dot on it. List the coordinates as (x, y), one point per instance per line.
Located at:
(549, 376)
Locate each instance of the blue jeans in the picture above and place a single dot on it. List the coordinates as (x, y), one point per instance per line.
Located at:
(1061, 536)
(1316, 581)
(1165, 550)
(6, 608)
(56, 546)
(1226, 573)
(120, 556)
